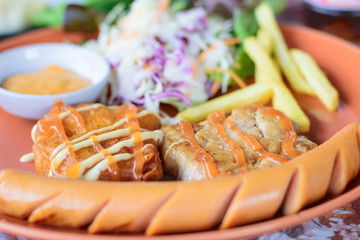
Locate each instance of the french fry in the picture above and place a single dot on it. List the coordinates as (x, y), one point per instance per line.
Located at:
(285, 102)
(266, 19)
(265, 40)
(267, 72)
(261, 75)
(316, 78)
(277, 65)
(265, 66)
(256, 93)
(267, 43)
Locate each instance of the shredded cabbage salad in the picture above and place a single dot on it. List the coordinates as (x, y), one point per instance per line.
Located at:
(162, 57)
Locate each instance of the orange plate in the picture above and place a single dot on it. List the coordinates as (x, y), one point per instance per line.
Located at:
(336, 57)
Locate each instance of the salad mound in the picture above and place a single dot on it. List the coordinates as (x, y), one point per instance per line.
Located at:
(159, 56)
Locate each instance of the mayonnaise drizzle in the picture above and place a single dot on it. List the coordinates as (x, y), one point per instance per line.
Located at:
(99, 161)
(33, 132)
(94, 106)
(93, 173)
(28, 157)
(157, 135)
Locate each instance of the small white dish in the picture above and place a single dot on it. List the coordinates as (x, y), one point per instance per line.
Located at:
(32, 58)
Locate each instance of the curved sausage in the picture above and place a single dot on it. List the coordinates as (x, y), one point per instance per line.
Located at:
(168, 207)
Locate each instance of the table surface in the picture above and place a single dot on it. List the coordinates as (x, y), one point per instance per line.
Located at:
(344, 222)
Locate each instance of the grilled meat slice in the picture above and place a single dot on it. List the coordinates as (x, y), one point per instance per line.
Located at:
(250, 138)
(96, 142)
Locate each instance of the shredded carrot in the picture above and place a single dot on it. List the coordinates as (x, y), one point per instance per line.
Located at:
(203, 54)
(164, 5)
(237, 79)
(232, 41)
(131, 35)
(215, 87)
(195, 67)
(146, 66)
(227, 42)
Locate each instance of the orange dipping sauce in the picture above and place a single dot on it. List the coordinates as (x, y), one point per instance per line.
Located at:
(48, 80)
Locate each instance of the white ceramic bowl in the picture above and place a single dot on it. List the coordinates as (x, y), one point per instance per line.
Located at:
(34, 57)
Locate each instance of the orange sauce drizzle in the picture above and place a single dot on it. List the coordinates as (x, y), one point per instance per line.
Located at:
(96, 144)
(189, 135)
(41, 165)
(59, 107)
(71, 152)
(107, 155)
(54, 126)
(74, 171)
(113, 167)
(287, 145)
(255, 145)
(216, 120)
(53, 122)
(77, 117)
(138, 143)
(47, 127)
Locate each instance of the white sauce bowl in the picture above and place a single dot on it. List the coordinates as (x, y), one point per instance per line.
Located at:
(32, 58)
